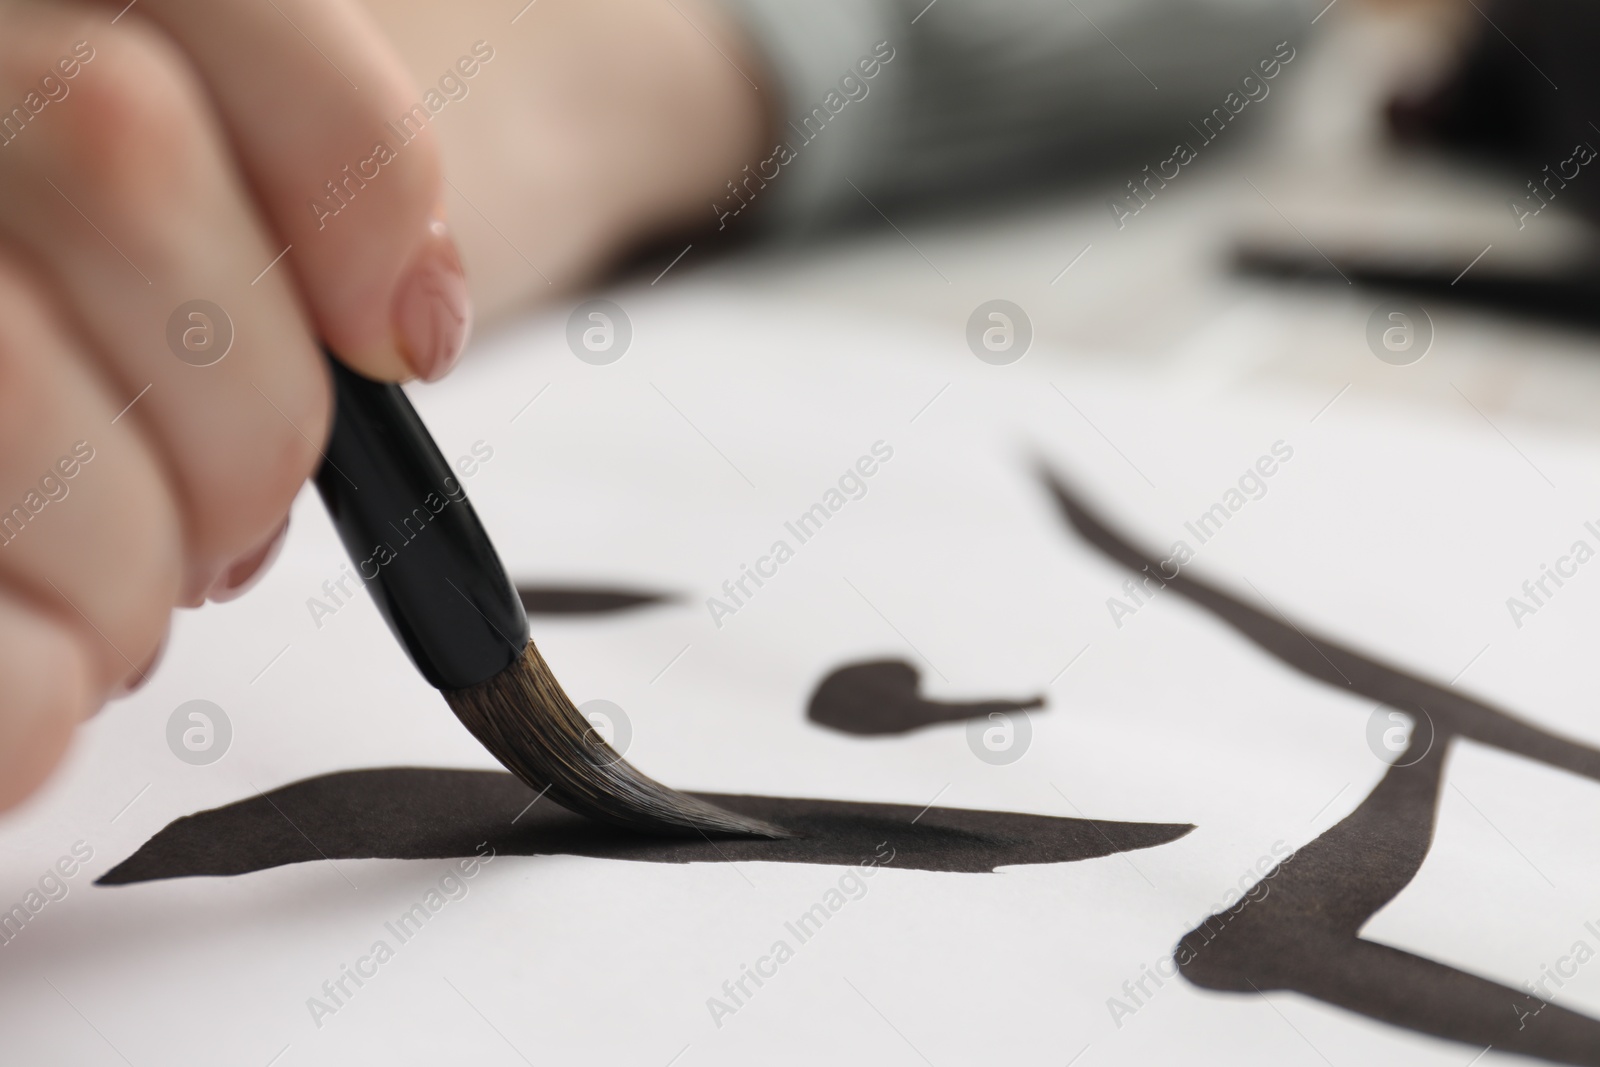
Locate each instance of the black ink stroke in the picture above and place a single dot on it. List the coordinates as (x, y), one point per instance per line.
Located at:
(434, 813)
(1304, 935)
(881, 697)
(583, 600)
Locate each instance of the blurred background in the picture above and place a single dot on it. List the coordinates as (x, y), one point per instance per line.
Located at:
(1424, 149)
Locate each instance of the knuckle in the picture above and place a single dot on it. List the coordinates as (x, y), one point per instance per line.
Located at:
(139, 126)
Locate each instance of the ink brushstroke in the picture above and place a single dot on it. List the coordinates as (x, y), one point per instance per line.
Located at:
(1305, 935)
(583, 600)
(436, 813)
(882, 697)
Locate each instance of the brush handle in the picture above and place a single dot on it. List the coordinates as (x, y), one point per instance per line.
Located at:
(415, 540)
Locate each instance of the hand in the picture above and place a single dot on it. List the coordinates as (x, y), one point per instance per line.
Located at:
(597, 125)
(152, 156)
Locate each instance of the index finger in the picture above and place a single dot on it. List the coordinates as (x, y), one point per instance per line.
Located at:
(337, 143)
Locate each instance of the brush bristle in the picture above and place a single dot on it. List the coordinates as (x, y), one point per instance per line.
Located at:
(524, 717)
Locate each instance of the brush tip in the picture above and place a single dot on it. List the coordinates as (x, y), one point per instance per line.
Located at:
(524, 717)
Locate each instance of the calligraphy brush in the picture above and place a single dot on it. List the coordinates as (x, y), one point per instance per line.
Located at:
(429, 565)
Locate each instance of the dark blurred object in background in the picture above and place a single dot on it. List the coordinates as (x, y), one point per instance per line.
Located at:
(1502, 102)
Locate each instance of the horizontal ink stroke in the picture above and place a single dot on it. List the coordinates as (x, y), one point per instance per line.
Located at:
(583, 600)
(436, 813)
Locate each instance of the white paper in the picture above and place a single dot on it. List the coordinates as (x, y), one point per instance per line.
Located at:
(1400, 534)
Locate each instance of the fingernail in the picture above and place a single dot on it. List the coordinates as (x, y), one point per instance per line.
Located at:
(136, 681)
(248, 569)
(432, 310)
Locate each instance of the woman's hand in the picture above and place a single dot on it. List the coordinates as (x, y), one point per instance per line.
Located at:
(192, 195)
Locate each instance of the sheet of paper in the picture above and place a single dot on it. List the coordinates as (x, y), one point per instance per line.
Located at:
(687, 461)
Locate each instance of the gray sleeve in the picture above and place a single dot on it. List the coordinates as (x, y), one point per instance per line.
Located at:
(983, 92)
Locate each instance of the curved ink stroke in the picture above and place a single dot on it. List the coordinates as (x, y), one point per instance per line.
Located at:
(881, 697)
(436, 813)
(1303, 934)
(583, 600)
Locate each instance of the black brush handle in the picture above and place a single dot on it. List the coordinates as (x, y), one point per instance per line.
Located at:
(414, 539)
